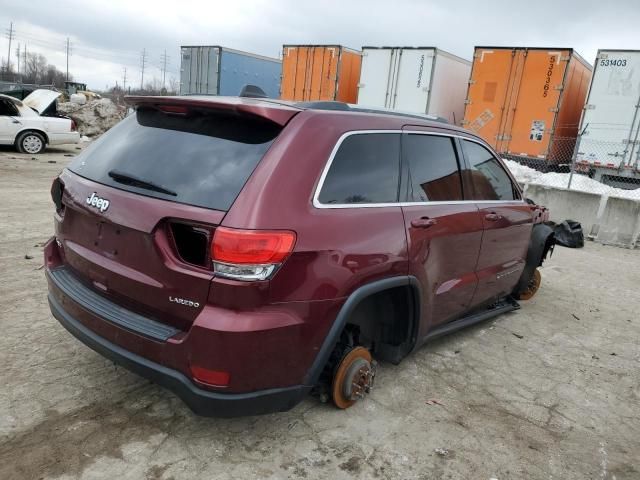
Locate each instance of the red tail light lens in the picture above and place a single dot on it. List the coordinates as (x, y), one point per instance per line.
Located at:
(251, 247)
(214, 378)
(74, 127)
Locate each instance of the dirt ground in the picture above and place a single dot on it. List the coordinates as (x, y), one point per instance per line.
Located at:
(551, 391)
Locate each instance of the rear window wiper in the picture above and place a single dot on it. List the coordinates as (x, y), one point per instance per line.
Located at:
(129, 179)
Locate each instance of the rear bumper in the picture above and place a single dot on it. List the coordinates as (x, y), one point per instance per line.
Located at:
(202, 402)
(63, 138)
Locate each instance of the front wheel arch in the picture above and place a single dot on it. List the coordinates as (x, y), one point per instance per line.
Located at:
(541, 244)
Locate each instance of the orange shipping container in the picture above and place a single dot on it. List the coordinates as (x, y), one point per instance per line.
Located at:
(527, 102)
(320, 72)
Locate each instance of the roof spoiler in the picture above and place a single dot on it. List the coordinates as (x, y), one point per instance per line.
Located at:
(276, 113)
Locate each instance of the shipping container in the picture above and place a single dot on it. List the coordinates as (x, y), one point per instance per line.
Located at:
(610, 144)
(414, 79)
(320, 72)
(215, 70)
(527, 102)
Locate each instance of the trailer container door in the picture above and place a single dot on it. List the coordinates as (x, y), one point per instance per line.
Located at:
(348, 76)
(294, 61)
(375, 77)
(538, 92)
(413, 83)
(491, 76)
(612, 114)
(329, 73)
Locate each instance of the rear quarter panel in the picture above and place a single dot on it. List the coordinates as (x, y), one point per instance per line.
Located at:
(337, 250)
(48, 125)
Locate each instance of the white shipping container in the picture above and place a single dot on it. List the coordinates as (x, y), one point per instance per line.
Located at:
(418, 80)
(611, 118)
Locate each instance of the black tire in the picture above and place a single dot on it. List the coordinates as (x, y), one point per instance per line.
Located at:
(31, 143)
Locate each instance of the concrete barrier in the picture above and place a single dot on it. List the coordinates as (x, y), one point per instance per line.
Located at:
(619, 223)
(607, 220)
(568, 205)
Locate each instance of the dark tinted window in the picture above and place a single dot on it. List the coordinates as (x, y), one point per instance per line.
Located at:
(487, 178)
(364, 170)
(8, 108)
(432, 168)
(205, 158)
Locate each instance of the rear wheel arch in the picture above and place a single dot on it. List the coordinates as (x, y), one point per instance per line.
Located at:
(36, 130)
(359, 312)
(26, 132)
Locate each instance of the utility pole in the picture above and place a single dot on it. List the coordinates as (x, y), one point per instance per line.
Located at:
(24, 64)
(143, 63)
(18, 57)
(68, 53)
(10, 35)
(164, 59)
(124, 80)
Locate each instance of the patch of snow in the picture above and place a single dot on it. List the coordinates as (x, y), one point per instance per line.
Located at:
(579, 182)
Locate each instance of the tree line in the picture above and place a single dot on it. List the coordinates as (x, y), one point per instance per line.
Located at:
(34, 69)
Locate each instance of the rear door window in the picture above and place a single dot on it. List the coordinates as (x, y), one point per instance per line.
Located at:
(486, 179)
(365, 169)
(432, 172)
(203, 158)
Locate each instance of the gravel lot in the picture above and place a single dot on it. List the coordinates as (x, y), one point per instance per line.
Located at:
(551, 391)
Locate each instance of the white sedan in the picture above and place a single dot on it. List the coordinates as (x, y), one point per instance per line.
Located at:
(29, 125)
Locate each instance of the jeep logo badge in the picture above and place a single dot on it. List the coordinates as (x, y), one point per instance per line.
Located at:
(100, 203)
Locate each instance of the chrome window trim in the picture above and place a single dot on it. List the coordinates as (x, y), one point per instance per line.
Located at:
(334, 151)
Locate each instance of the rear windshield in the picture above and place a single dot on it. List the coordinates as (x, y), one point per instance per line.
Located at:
(202, 159)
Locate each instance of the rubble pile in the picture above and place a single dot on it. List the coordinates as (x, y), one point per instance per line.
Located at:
(94, 117)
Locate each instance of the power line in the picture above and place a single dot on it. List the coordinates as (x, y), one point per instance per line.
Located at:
(53, 44)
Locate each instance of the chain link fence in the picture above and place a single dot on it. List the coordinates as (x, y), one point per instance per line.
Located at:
(579, 163)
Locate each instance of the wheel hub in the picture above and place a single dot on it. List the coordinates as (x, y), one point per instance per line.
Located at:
(354, 377)
(32, 144)
(359, 379)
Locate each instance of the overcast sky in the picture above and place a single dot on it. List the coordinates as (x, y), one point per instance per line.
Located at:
(109, 35)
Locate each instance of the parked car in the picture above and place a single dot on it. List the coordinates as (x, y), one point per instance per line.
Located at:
(32, 124)
(246, 252)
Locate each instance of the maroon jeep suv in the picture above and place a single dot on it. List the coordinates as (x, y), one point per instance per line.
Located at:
(245, 252)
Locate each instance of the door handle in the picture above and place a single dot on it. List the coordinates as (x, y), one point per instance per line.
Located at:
(492, 217)
(423, 222)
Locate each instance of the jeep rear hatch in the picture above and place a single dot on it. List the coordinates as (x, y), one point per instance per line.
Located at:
(193, 151)
(138, 212)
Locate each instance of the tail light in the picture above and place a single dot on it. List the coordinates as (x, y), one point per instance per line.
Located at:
(250, 254)
(213, 378)
(74, 127)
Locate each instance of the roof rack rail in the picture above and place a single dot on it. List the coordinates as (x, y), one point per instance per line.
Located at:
(345, 107)
(325, 105)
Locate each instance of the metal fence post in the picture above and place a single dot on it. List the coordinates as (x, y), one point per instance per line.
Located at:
(574, 157)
